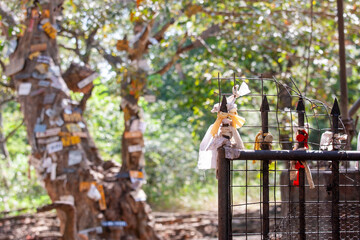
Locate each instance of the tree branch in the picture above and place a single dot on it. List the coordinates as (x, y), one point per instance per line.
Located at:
(11, 86)
(142, 42)
(7, 100)
(354, 108)
(73, 34)
(12, 132)
(3, 67)
(6, 85)
(160, 34)
(252, 13)
(86, 97)
(211, 31)
(89, 44)
(68, 48)
(111, 59)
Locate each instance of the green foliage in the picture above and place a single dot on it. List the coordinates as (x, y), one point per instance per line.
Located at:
(105, 121)
(171, 158)
(16, 189)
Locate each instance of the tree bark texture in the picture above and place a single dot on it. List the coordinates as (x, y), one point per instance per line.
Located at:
(63, 152)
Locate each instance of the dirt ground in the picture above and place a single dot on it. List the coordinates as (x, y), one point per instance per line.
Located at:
(169, 225)
(45, 226)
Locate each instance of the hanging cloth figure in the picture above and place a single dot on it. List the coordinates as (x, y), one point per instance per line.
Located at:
(330, 141)
(301, 136)
(223, 132)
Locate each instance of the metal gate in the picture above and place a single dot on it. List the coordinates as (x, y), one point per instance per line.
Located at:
(330, 211)
(257, 200)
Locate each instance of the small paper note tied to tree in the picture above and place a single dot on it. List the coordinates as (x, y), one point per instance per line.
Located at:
(79, 78)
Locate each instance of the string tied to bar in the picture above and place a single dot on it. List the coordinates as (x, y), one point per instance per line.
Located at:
(295, 166)
(236, 120)
(263, 138)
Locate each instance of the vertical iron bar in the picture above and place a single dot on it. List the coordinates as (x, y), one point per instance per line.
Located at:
(301, 123)
(335, 216)
(358, 203)
(261, 179)
(265, 169)
(246, 199)
(224, 218)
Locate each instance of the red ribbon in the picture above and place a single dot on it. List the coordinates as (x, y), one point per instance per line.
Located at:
(298, 165)
(303, 136)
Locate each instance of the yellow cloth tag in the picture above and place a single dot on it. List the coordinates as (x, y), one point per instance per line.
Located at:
(73, 127)
(70, 140)
(136, 174)
(102, 201)
(50, 30)
(84, 186)
(33, 55)
(73, 117)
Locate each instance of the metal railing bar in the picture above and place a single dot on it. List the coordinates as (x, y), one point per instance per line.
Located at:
(286, 233)
(308, 202)
(292, 155)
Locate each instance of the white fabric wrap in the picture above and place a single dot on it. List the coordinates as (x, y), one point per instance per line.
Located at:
(326, 142)
(209, 146)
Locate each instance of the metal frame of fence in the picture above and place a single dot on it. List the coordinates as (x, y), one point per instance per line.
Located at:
(226, 156)
(331, 210)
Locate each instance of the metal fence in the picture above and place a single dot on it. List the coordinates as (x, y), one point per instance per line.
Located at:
(257, 199)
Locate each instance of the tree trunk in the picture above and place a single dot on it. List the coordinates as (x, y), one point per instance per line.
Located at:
(63, 151)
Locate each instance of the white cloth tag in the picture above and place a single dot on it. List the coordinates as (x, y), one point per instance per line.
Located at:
(135, 148)
(75, 157)
(244, 89)
(87, 80)
(54, 147)
(93, 193)
(67, 198)
(24, 88)
(53, 171)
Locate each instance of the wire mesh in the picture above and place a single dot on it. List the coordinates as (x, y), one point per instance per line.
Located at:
(284, 206)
